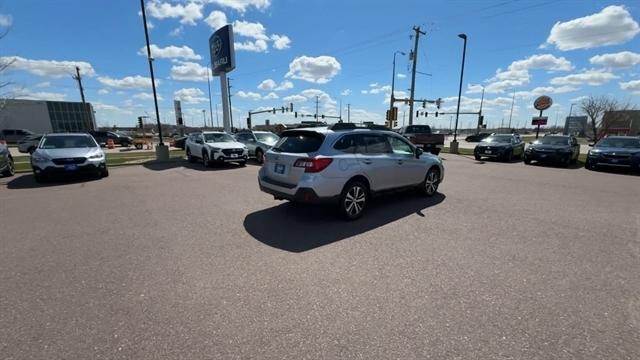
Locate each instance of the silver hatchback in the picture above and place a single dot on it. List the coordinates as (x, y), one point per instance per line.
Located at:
(346, 165)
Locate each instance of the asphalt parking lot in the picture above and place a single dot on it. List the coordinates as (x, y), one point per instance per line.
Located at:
(177, 261)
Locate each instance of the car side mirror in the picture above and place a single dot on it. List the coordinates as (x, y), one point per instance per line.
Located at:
(590, 145)
(419, 152)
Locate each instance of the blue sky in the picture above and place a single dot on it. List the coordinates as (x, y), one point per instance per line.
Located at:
(293, 50)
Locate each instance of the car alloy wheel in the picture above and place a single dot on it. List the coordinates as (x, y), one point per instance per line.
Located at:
(259, 156)
(11, 168)
(431, 182)
(205, 159)
(354, 200)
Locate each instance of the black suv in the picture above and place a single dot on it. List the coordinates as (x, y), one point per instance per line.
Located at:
(500, 146)
(476, 137)
(103, 136)
(615, 151)
(559, 149)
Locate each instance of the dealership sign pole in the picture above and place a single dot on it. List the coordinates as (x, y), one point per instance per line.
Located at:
(223, 60)
(542, 103)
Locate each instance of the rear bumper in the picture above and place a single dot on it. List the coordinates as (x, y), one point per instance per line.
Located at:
(630, 162)
(301, 195)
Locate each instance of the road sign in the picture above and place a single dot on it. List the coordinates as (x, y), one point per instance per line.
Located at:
(539, 120)
(222, 50)
(178, 111)
(543, 103)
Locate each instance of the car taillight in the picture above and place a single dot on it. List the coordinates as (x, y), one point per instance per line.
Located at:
(313, 165)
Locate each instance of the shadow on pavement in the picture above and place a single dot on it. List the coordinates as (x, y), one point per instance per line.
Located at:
(28, 181)
(298, 227)
(167, 165)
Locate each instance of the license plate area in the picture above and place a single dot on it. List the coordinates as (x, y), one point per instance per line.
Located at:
(487, 151)
(279, 169)
(71, 167)
(234, 155)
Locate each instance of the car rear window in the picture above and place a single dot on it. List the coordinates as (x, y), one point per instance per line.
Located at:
(418, 129)
(299, 142)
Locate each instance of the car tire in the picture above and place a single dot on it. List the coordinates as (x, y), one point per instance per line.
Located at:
(205, 159)
(354, 200)
(478, 157)
(104, 173)
(508, 156)
(11, 168)
(190, 157)
(527, 161)
(589, 165)
(259, 156)
(431, 181)
(243, 163)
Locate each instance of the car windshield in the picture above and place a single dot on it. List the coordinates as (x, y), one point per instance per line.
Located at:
(68, 142)
(553, 140)
(630, 143)
(498, 139)
(266, 138)
(299, 142)
(418, 129)
(215, 138)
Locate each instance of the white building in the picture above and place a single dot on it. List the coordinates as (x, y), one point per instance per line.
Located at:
(47, 116)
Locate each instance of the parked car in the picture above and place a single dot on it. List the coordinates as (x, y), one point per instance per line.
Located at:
(12, 136)
(29, 143)
(345, 166)
(178, 142)
(559, 149)
(7, 167)
(422, 137)
(477, 137)
(66, 154)
(215, 147)
(500, 146)
(257, 142)
(103, 136)
(615, 151)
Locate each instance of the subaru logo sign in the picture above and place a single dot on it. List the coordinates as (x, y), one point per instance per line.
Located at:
(222, 51)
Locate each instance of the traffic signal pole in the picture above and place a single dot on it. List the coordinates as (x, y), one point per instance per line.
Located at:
(413, 71)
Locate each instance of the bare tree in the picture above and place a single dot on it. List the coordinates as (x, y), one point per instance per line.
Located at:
(595, 107)
(5, 63)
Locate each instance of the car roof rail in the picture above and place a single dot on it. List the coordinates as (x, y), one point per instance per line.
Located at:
(353, 126)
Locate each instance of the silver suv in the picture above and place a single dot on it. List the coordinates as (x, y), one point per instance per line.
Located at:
(346, 165)
(215, 147)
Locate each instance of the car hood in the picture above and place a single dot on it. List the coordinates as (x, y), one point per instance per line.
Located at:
(226, 145)
(609, 150)
(549, 147)
(67, 153)
(494, 145)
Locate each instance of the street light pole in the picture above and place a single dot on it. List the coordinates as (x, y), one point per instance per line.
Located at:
(454, 143)
(162, 152)
(204, 118)
(209, 87)
(393, 78)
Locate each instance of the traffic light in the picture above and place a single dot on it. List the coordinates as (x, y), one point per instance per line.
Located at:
(291, 107)
(394, 113)
(480, 120)
(426, 114)
(283, 109)
(417, 114)
(323, 116)
(436, 114)
(140, 122)
(388, 115)
(180, 122)
(438, 102)
(249, 123)
(295, 114)
(424, 104)
(395, 123)
(274, 111)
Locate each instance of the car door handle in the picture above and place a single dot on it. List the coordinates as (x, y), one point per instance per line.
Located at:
(366, 161)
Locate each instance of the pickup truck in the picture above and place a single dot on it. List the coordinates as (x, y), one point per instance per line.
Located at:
(422, 137)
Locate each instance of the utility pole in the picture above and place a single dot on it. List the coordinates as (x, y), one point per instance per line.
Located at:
(162, 151)
(204, 118)
(513, 100)
(348, 113)
(404, 112)
(209, 87)
(217, 120)
(340, 110)
(480, 113)
(317, 101)
(413, 71)
(230, 106)
(78, 78)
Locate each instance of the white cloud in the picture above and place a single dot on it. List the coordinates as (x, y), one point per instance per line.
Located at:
(177, 31)
(267, 84)
(146, 96)
(255, 46)
(170, 52)
(102, 107)
(542, 61)
(364, 92)
(618, 60)
(127, 82)
(591, 77)
(579, 99)
(633, 86)
(545, 90)
(188, 13)
(613, 25)
(285, 85)
(319, 70)
(345, 92)
(474, 89)
(103, 91)
(190, 95)
(51, 68)
(250, 29)
(295, 98)
(281, 42)
(322, 96)
(242, 5)
(271, 96)
(216, 20)
(358, 115)
(40, 95)
(43, 84)
(401, 76)
(5, 20)
(249, 95)
(189, 71)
